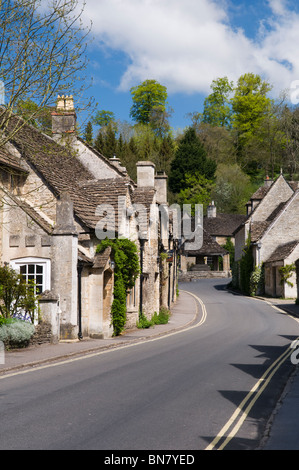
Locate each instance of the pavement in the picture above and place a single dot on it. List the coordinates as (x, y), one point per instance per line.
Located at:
(283, 427)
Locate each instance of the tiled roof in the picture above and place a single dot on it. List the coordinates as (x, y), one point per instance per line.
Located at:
(283, 251)
(209, 247)
(11, 161)
(260, 193)
(63, 172)
(223, 224)
(33, 213)
(100, 259)
(106, 193)
(258, 229)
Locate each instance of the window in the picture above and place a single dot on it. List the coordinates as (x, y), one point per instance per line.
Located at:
(34, 269)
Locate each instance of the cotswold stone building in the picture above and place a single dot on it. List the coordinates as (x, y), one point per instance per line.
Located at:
(273, 230)
(211, 259)
(59, 197)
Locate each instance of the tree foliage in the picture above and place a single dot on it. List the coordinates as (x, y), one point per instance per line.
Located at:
(149, 105)
(217, 108)
(17, 298)
(241, 133)
(190, 157)
(42, 54)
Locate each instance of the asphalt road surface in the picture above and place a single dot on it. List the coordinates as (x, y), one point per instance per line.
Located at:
(212, 386)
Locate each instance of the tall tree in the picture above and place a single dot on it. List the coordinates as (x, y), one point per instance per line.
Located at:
(190, 157)
(250, 105)
(217, 107)
(149, 104)
(42, 54)
(103, 118)
(88, 133)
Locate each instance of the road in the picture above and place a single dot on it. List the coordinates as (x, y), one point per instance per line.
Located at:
(199, 389)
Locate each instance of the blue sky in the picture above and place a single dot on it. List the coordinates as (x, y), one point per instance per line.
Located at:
(184, 45)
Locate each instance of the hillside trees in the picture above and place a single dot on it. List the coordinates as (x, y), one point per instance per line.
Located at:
(241, 136)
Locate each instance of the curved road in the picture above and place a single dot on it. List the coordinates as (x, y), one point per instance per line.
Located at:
(212, 386)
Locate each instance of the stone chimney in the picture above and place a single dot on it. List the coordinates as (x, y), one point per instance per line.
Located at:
(64, 118)
(145, 174)
(161, 187)
(211, 210)
(117, 164)
(268, 182)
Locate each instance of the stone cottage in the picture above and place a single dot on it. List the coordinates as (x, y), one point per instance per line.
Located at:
(59, 199)
(272, 228)
(217, 229)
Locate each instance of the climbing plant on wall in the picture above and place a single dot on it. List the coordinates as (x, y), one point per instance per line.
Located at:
(286, 272)
(125, 256)
(246, 267)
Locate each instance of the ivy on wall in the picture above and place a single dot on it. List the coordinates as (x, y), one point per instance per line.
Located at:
(125, 256)
(246, 267)
(285, 273)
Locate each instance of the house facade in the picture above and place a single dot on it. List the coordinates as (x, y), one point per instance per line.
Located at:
(272, 229)
(60, 198)
(217, 229)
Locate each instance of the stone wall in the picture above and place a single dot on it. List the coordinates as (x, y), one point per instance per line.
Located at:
(195, 275)
(283, 231)
(42, 334)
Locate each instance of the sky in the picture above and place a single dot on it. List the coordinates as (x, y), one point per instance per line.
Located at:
(185, 45)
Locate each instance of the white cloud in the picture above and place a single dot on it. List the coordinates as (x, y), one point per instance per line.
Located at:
(185, 44)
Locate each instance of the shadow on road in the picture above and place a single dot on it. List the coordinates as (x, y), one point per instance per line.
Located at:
(259, 414)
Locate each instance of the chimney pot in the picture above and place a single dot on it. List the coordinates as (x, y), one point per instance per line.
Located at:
(211, 210)
(145, 174)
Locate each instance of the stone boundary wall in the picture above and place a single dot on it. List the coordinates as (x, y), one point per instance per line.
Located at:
(42, 334)
(193, 275)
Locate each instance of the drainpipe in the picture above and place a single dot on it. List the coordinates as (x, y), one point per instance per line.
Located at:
(142, 242)
(79, 270)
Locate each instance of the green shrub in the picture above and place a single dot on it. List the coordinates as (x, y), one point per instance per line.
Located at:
(143, 322)
(16, 333)
(257, 281)
(157, 319)
(162, 318)
(17, 298)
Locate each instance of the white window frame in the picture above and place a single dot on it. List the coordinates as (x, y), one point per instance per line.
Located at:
(46, 263)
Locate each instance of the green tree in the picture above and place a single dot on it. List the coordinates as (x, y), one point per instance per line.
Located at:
(103, 118)
(232, 189)
(190, 158)
(198, 191)
(217, 107)
(88, 133)
(218, 142)
(149, 104)
(16, 296)
(106, 141)
(250, 105)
